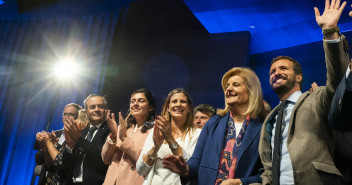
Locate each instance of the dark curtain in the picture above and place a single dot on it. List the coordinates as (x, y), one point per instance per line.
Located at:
(28, 51)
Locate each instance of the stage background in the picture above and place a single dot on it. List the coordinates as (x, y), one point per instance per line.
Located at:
(127, 45)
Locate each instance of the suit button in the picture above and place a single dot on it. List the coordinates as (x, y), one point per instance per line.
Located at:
(133, 168)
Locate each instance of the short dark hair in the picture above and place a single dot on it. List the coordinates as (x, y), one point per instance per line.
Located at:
(296, 66)
(206, 109)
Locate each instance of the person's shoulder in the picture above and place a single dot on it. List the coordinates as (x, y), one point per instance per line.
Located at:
(215, 119)
(196, 131)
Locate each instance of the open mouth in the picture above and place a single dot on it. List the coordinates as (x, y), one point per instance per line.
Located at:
(228, 95)
(178, 110)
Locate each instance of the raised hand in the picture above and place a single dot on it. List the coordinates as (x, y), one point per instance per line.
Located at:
(70, 143)
(314, 87)
(176, 164)
(331, 14)
(123, 127)
(73, 129)
(110, 118)
(42, 138)
(157, 137)
(53, 138)
(165, 127)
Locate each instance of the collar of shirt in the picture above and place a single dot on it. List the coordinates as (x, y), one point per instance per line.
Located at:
(294, 97)
(98, 125)
(348, 70)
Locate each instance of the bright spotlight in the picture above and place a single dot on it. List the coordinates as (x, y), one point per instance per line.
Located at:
(66, 68)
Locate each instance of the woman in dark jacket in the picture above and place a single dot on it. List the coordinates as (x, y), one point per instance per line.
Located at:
(227, 149)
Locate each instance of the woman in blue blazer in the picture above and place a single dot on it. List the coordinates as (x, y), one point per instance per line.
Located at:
(227, 149)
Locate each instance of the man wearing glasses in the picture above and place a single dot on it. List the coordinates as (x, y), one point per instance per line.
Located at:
(44, 163)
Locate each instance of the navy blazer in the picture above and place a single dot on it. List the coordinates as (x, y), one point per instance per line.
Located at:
(204, 163)
(340, 114)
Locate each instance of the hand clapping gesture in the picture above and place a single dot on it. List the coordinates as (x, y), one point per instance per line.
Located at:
(157, 137)
(43, 138)
(165, 127)
(123, 127)
(110, 118)
(176, 164)
(73, 129)
(53, 138)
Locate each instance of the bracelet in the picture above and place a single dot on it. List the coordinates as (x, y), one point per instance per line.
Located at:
(331, 30)
(112, 138)
(151, 157)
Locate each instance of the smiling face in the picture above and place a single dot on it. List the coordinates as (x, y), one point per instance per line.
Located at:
(236, 91)
(139, 106)
(178, 106)
(283, 78)
(96, 110)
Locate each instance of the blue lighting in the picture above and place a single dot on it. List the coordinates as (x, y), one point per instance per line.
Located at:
(2, 2)
(273, 24)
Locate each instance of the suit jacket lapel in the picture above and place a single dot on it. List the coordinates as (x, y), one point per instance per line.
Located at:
(252, 131)
(217, 141)
(85, 131)
(293, 114)
(100, 131)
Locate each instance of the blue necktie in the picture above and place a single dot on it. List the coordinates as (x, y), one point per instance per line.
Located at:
(90, 133)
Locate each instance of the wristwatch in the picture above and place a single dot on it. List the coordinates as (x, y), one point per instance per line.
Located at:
(151, 157)
(174, 145)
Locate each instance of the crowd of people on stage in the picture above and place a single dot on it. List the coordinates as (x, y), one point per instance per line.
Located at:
(306, 139)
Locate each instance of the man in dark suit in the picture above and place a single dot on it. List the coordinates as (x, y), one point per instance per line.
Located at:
(301, 151)
(83, 153)
(42, 157)
(340, 115)
(340, 118)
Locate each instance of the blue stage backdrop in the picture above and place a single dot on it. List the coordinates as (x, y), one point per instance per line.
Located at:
(29, 48)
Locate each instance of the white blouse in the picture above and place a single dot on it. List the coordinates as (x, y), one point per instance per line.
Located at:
(157, 174)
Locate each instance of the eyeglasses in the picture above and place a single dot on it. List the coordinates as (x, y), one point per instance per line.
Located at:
(68, 114)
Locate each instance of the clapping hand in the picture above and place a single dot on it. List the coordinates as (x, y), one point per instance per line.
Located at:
(165, 127)
(110, 118)
(157, 136)
(176, 164)
(123, 127)
(53, 138)
(73, 129)
(42, 138)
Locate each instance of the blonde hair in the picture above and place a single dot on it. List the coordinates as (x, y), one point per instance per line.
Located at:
(188, 126)
(83, 117)
(254, 90)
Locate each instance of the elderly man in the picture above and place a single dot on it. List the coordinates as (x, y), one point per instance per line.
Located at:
(42, 157)
(296, 144)
(83, 153)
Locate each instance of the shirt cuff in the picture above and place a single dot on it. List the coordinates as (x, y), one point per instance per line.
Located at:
(69, 150)
(333, 41)
(348, 71)
(110, 141)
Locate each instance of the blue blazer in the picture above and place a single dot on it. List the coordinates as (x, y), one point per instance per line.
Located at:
(204, 163)
(340, 114)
